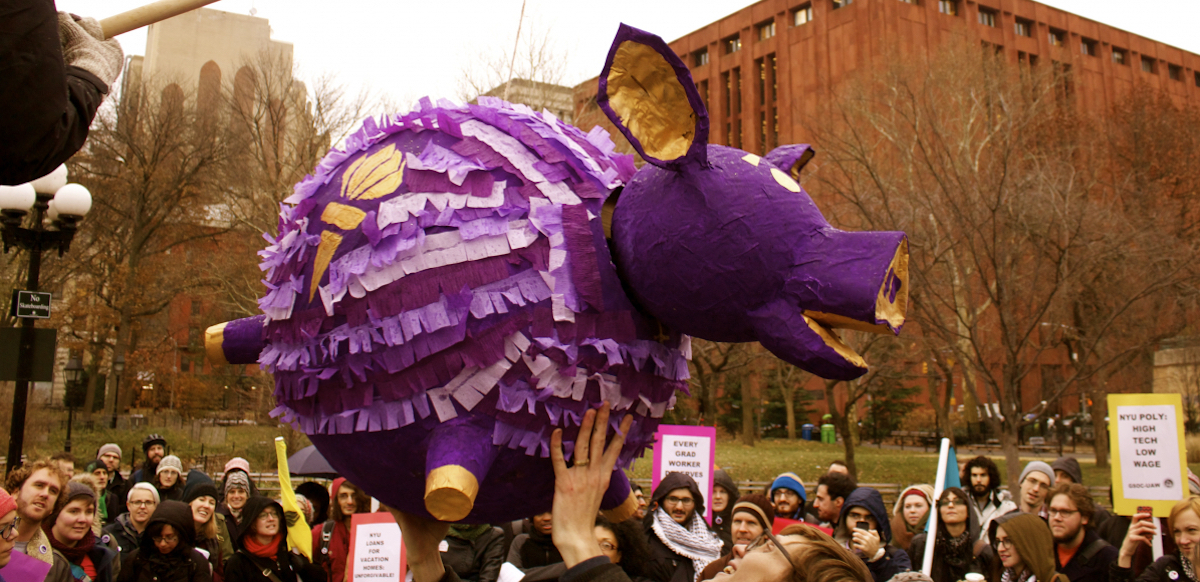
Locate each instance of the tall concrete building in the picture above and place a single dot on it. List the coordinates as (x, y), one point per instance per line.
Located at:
(208, 45)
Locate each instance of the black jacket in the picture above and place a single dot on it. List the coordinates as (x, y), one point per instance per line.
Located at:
(184, 564)
(288, 567)
(475, 560)
(1090, 562)
(894, 560)
(598, 569)
(45, 106)
(125, 535)
(1165, 569)
(533, 550)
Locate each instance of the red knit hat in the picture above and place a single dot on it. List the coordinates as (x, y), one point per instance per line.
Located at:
(7, 503)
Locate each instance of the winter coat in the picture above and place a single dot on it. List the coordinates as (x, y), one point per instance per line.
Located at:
(104, 560)
(45, 105)
(475, 557)
(288, 567)
(902, 533)
(894, 560)
(119, 486)
(1165, 569)
(124, 534)
(533, 550)
(184, 564)
(1090, 562)
(598, 569)
(219, 549)
(39, 548)
(1002, 505)
(722, 520)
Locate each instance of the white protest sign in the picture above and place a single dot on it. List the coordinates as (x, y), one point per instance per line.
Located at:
(1148, 469)
(376, 549)
(689, 450)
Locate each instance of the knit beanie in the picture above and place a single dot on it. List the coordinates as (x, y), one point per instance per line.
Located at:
(235, 480)
(789, 481)
(75, 490)
(108, 448)
(922, 490)
(7, 503)
(237, 463)
(1069, 466)
(144, 487)
(92, 466)
(172, 463)
(1040, 467)
(1193, 483)
(759, 506)
(200, 491)
(911, 577)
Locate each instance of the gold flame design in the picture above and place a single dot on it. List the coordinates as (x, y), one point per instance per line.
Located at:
(375, 175)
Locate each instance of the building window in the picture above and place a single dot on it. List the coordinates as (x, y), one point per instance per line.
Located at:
(1197, 75)
(1057, 37)
(1087, 46)
(1023, 27)
(802, 15)
(987, 17)
(841, 3)
(766, 30)
(1147, 65)
(948, 7)
(732, 44)
(1175, 72)
(1119, 56)
(700, 57)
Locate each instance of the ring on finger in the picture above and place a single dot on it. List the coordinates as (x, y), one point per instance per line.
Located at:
(582, 463)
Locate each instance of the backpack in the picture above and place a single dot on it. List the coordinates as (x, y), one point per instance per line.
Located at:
(321, 552)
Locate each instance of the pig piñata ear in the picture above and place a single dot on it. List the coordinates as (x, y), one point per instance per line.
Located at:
(791, 158)
(648, 93)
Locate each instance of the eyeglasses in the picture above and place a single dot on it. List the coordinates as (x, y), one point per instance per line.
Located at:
(607, 547)
(269, 515)
(171, 539)
(684, 501)
(142, 503)
(9, 532)
(951, 503)
(1005, 543)
(1063, 513)
(767, 541)
(1039, 484)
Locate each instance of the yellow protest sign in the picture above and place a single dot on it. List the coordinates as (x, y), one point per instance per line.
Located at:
(1148, 457)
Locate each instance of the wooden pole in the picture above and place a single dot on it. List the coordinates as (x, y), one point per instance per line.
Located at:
(147, 15)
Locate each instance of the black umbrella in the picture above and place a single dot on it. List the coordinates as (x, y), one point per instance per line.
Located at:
(308, 462)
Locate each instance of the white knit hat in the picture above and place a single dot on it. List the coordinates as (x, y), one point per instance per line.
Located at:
(170, 463)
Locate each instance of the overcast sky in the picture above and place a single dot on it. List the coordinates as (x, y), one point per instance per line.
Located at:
(407, 49)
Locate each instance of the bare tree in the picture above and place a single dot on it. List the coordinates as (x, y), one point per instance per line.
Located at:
(532, 75)
(999, 185)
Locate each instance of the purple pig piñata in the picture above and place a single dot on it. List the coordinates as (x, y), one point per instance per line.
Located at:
(457, 282)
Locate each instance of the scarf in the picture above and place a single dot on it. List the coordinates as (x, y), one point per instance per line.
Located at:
(263, 550)
(76, 554)
(1188, 568)
(468, 532)
(539, 550)
(697, 542)
(955, 551)
(1026, 576)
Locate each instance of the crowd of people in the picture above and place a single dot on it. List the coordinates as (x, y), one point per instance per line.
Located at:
(161, 523)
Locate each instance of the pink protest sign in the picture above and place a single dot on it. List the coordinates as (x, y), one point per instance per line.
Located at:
(690, 450)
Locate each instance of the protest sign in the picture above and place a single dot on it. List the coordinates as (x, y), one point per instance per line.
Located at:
(1148, 465)
(376, 549)
(689, 450)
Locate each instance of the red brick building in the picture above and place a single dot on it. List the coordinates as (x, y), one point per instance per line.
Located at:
(760, 68)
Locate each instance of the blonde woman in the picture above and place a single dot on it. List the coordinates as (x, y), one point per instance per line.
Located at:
(1184, 526)
(211, 534)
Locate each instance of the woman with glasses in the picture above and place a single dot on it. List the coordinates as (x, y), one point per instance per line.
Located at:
(1178, 566)
(8, 527)
(167, 552)
(681, 544)
(262, 554)
(956, 550)
(1024, 549)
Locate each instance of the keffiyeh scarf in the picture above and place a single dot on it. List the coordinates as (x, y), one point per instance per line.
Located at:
(696, 543)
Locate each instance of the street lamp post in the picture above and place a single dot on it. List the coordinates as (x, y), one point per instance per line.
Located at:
(73, 375)
(118, 367)
(65, 205)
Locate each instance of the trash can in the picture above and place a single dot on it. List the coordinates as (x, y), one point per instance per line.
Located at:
(828, 434)
(806, 432)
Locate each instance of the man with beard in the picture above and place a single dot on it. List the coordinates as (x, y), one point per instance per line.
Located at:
(37, 488)
(681, 544)
(752, 515)
(1079, 553)
(110, 455)
(155, 448)
(789, 497)
(982, 480)
(832, 491)
(331, 540)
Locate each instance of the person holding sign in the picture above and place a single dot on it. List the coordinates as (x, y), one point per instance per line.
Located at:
(262, 554)
(800, 554)
(1184, 524)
